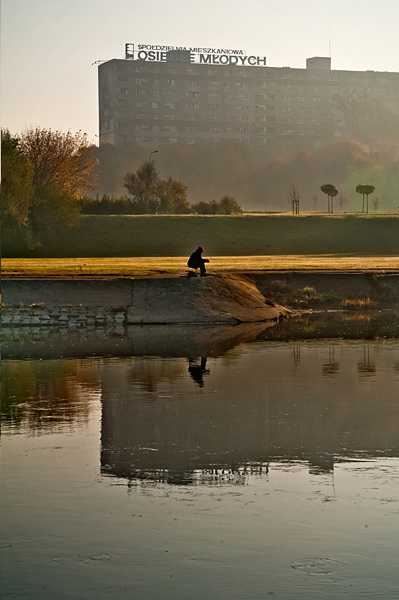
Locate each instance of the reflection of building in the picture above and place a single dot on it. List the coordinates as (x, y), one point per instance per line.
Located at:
(169, 101)
(262, 409)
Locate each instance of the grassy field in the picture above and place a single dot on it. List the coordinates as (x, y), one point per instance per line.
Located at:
(136, 267)
(238, 236)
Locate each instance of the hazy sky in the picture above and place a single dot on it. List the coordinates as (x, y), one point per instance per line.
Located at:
(48, 46)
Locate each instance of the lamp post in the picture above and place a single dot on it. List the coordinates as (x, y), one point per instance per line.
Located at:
(151, 153)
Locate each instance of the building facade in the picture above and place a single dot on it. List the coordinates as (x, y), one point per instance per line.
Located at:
(166, 98)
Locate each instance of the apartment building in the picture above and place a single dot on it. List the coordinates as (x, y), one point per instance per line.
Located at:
(160, 97)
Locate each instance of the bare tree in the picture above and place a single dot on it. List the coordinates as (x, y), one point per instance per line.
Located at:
(58, 159)
(294, 198)
(341, 201)
(376, 201)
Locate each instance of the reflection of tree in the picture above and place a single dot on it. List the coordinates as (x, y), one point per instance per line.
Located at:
(297, 354)
(332, 366)
(366, 367)
(197, 370)
(44, 395)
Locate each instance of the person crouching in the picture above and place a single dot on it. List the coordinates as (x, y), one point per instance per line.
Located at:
(197, 262)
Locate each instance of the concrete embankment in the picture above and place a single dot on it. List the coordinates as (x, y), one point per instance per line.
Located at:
(215, 299)
(227, 298)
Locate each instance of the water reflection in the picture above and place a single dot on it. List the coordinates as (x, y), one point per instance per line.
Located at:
(262, 403)
(332, 366)
(197, 369)
(366, 366)
(214, 405)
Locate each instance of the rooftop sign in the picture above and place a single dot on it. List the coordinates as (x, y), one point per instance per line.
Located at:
(213, 56)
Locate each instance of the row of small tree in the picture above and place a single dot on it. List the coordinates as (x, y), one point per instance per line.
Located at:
(331, 192)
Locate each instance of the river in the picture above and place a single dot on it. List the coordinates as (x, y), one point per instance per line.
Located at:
(202, 462)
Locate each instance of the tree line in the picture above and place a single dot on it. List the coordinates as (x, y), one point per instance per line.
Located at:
(149, 194)
(47, 177)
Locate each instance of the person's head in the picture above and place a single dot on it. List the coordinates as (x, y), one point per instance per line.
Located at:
(200, 249)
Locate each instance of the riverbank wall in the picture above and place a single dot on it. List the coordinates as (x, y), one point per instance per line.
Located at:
(227, 298)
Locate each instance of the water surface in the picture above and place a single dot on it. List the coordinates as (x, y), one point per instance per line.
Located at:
(223, 466)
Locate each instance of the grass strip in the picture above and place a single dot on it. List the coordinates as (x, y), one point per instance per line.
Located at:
(145, 266)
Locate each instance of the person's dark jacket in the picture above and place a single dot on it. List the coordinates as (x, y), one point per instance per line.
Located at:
(196, 261)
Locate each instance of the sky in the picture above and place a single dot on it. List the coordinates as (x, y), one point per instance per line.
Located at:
(48, 47)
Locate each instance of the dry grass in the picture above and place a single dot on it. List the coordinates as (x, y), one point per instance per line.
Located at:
(138, 267)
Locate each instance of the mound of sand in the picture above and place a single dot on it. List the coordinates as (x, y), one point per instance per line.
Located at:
(213, 299)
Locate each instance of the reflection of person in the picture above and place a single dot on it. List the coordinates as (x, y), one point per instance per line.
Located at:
(197, 371)
(197, 262)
